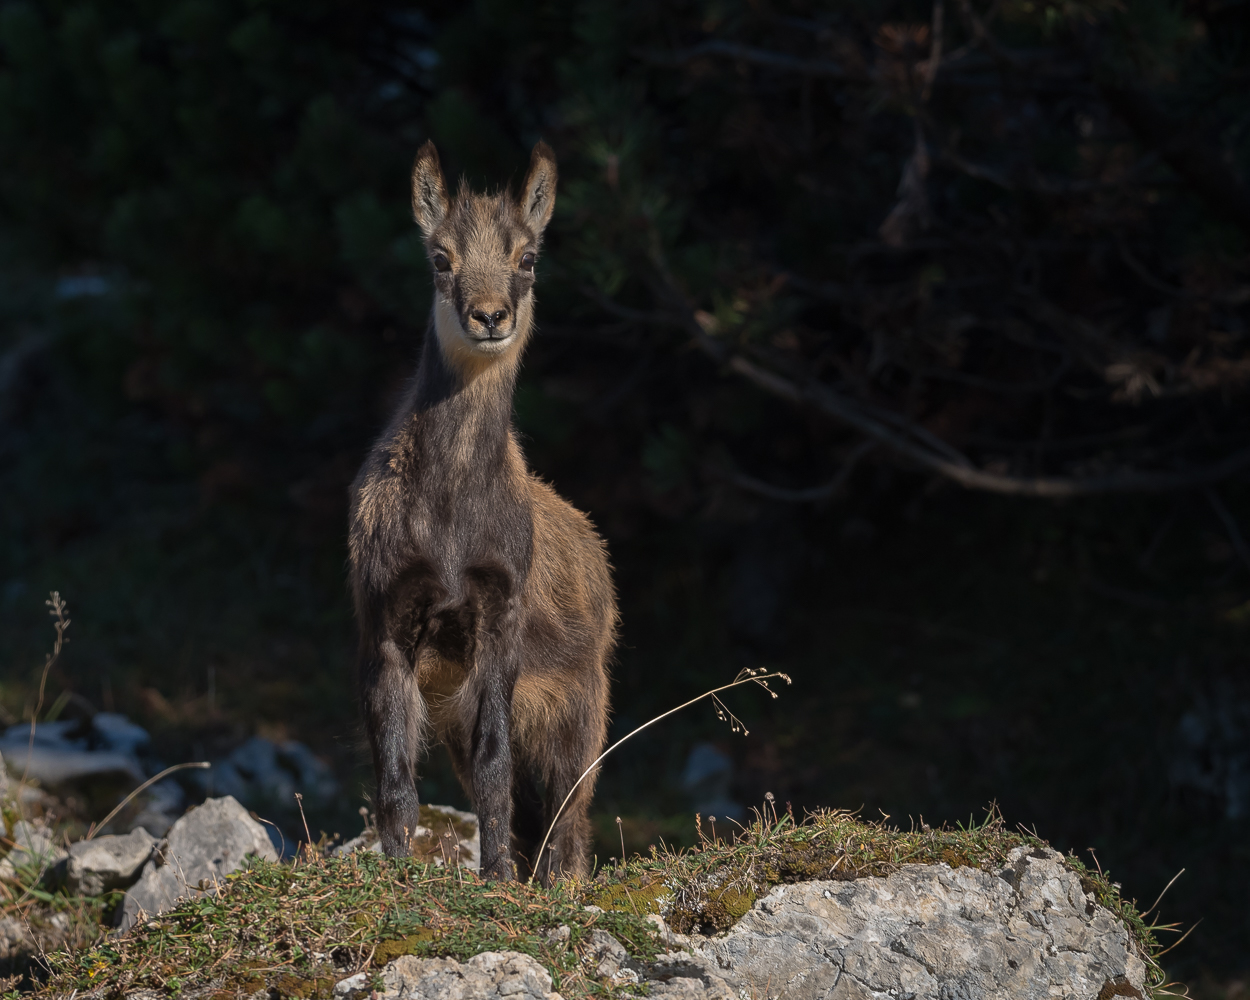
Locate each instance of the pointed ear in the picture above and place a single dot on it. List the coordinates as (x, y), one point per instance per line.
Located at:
(429, 191)
(538, 196)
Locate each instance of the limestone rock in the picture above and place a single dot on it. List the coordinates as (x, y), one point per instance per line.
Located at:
(485, 976)
(203, 847)
(113, 862)
(927, 932)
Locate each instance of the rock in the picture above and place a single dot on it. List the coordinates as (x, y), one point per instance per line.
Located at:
(113, 862)
(203, 847)
(33, 849)
(490, 974)
(112, 731)
(262, 771)
(72, 749)
(927, 931)
(610, 958)
(56, 765)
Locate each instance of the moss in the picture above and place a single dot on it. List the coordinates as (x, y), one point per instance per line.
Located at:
(438, 821)
(410, 944)
(245, 978)
(634, 896)
(726, 906)
(291, 987)
(433, 845)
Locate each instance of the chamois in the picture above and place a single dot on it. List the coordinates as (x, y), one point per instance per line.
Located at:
(484, 600)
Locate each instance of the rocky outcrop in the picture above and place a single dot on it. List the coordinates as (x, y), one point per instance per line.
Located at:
(929, 932)
(203, 847)
(926, 932)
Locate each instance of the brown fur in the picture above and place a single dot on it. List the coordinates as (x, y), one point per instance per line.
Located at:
(485, 601)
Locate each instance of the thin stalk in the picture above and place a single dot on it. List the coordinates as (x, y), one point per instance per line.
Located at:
(746, 677)
(97, 827)
(57, 610)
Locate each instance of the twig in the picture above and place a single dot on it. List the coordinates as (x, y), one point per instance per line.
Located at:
(299, 800)
(1146, 913)
(810, 495)
(97, 827)
(1230, 525)
(745, 677)
(1159, 955)
(840, 408)
(58, 608)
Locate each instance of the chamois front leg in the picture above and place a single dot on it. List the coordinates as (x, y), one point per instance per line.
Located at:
(490, 753)
(394, 713)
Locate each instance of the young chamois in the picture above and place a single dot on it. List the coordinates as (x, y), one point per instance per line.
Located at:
(484, 600)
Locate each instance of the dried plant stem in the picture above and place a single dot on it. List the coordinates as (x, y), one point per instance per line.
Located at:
(57, 609)
(744, 677)
(97, 827)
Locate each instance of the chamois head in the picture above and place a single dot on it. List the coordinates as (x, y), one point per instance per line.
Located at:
(482, 249)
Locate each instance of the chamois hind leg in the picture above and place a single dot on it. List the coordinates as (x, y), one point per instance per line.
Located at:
(394, 714)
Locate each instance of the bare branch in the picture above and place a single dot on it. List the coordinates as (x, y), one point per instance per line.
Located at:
(846, 411)
(1238, 296)
(811, 495)
(1230, 525)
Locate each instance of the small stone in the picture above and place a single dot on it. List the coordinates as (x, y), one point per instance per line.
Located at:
(113, 862)
(492, 975)
(558, 937)
(203, 847)
(345, 987)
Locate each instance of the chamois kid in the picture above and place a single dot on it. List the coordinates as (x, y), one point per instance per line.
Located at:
(484, 600)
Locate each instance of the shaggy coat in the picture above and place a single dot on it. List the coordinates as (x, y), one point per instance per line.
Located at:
(484, 600)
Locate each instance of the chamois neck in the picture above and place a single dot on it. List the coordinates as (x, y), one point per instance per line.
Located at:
(443, 381)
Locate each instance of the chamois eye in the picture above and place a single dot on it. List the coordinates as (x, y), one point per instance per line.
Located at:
(527, 262)
(441, 263)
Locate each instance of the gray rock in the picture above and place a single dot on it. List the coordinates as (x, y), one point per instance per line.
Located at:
(114, 862)
(490, 974)
(926, 932)
(204, 846)
(113, 731)
(52, 764)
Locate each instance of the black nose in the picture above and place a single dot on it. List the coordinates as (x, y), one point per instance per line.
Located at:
(491, 321)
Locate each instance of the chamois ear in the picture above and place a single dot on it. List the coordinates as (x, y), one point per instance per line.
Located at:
(538, 196)
(429, 190)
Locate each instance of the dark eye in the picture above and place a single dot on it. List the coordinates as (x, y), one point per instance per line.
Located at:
(527, 262)
(441, 263)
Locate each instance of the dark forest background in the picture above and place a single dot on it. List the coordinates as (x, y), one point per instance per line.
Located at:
(899, 346)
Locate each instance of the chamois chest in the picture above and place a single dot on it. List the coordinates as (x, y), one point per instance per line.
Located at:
(453, 535)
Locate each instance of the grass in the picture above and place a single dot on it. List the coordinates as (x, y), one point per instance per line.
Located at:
(299, 928)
